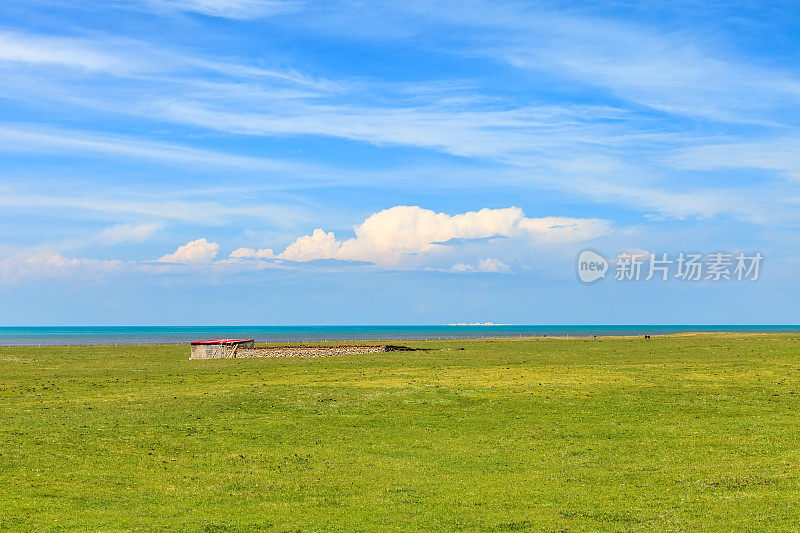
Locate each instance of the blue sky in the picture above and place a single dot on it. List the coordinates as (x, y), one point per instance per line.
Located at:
(292, 162)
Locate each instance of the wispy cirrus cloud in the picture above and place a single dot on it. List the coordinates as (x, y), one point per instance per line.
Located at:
(778, 154)
(48, 260)
(601, 153)
(107, 236)
(47, 264)
(127, 58)
(565, 147)
(22, 138)
(550, 143)
(120, 233)
(511, 136)
(681, 72)
(233, 9)
(68, 52)
(176, 206)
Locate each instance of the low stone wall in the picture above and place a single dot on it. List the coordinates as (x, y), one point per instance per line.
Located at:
(313, 351)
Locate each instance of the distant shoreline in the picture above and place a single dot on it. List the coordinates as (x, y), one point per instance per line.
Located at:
(167, 335)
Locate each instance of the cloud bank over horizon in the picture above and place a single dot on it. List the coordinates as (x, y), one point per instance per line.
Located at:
(400, 237)
(396, 235)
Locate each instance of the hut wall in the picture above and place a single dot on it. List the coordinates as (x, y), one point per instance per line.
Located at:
(217, 351)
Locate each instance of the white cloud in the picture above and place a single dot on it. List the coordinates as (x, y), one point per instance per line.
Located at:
(127, 58)
(674, 71)
(484, 265)
(537, 142)
(233, 9)
(666, 71)
(779, 155)
(318, 245)
(66, 52)
(503, 135)
(190, 207)
(564, 229)
(127, 233)
(405, 237)
(391, 236)
(108, 236)
(197, 251)
(46, 264)
(71, 142)
(250, 253)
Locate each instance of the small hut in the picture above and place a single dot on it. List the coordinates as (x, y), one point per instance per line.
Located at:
(218, 348)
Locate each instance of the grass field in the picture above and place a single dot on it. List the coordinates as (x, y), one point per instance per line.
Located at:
(684, 433)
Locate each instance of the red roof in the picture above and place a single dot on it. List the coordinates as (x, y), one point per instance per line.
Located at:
(221, 341)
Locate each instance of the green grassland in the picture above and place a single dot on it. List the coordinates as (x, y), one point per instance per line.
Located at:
(679, 433)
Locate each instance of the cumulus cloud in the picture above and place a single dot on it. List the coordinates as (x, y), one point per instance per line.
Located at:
(410, 237)
(392, 235)
(250, 253)
(318, 245)
(197, 251)
(484, 265)
(406, 237)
